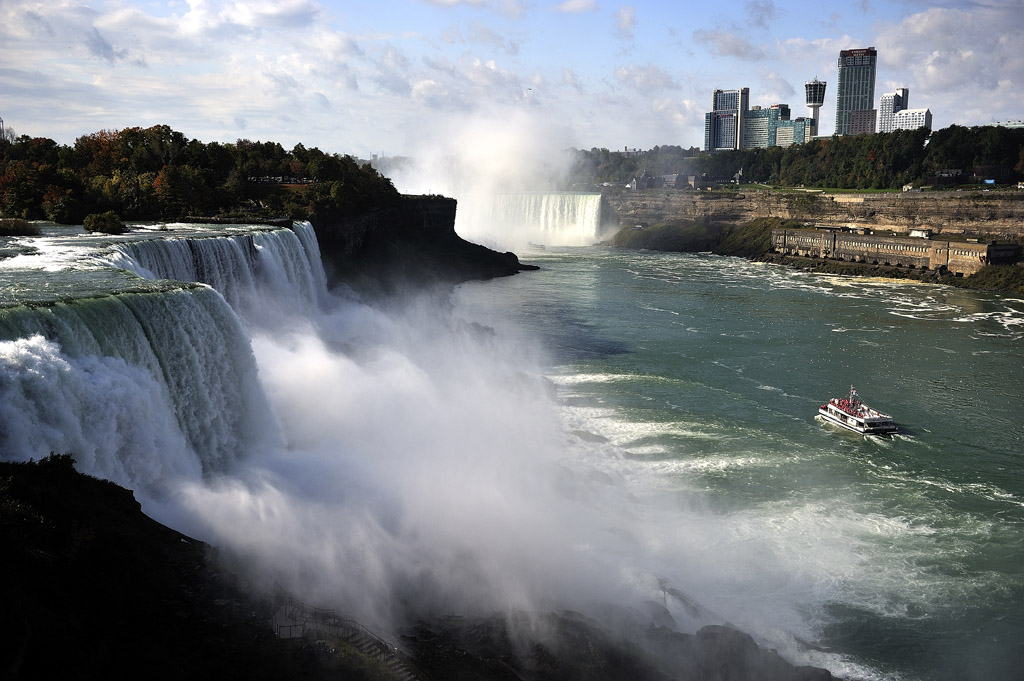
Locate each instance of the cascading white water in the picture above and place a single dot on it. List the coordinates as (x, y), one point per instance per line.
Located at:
(516, 220)
(141, 385)
(283, 264)
(137, 386)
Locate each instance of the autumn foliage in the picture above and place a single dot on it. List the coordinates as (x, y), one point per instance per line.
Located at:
(158, 173)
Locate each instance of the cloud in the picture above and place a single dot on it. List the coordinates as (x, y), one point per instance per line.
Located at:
(99, 47)
(645, 79)
(430, 93)
(486, 73)
(576, 6)
(273, 14)
(949, 50)
(281, 84)
(760, 12)
(320, 101)
(37, 21)
(512, 8)
(778, 89)
(390, 69)
(569, 78)
(482, 35)
(625, 22)
(726, 44)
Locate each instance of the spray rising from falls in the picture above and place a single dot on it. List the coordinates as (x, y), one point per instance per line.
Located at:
(414, 439)
(394, 463)
(516, 220)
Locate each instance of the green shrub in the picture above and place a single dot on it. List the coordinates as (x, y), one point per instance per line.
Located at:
(17, 227)
(108, 223)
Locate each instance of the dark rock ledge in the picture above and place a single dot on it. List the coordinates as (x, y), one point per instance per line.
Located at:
(91, 588)
(408, 244)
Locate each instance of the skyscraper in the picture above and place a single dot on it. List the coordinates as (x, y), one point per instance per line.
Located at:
(856, 91)
(723, 125)
(760, 125)
(889, 105)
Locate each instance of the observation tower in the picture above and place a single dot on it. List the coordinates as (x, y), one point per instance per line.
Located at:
(815, 91)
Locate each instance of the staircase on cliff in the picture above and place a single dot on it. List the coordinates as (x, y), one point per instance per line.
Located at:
(294, 619)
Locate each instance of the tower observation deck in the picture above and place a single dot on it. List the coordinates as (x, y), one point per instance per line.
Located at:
(815, 91)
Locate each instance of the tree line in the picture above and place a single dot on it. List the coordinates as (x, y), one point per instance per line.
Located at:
(158, 173)
(876, 161)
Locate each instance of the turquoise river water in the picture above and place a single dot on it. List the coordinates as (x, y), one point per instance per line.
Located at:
(896, 557)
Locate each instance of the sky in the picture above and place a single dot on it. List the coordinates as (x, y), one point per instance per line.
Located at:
(379, 77)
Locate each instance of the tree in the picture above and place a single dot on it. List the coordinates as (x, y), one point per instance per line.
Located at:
(108, 223)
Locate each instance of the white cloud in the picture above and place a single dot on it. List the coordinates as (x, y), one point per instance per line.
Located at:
(777, 90)
(645, 79)
(512, 8)
(625, 22)
(570, 78)
(480, 34)
(576, 6)
(725, 44)
(71, 68)
(273, 14)
(486, 73)
(430, 93)
(391, 72)
(953, 58)
(947, 49)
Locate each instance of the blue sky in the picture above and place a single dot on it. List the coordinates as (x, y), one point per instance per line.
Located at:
(383, 76)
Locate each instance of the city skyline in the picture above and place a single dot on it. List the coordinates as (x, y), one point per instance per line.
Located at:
(383, 77)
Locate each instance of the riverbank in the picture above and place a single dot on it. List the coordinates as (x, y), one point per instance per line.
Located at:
(752, 240)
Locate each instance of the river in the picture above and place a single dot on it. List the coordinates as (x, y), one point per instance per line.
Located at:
(617, 433)
(899, 557)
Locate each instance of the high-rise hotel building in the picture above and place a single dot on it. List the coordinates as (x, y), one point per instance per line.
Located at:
(723, 125)
(855, 112)
(891, 104)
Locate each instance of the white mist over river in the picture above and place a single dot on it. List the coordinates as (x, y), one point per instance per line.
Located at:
(590, 433)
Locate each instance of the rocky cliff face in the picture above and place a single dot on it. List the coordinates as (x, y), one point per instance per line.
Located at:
(996, 215)
(411, 242)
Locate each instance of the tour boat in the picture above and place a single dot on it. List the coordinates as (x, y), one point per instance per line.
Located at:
(852, 414)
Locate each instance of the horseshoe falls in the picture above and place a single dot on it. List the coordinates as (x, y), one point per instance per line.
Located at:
(615, 431)
(530, 218)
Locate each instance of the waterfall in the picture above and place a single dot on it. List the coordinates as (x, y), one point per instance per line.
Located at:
(136, 386)
(515, 220)
(141, 385)
(283, 263)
